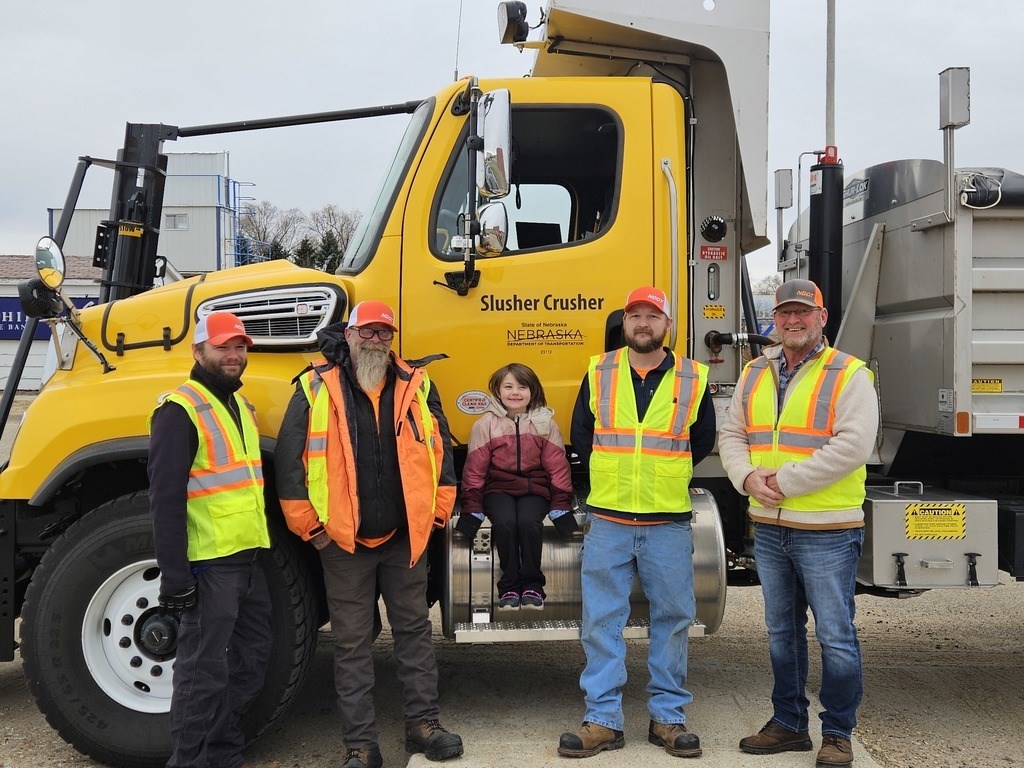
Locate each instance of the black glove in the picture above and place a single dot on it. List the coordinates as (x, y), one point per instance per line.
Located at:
(468, 525)
(174, 605)
(565, 525)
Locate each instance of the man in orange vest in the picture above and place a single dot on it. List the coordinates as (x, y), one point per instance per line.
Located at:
(209, 525)
(365, 473)
(799, 430)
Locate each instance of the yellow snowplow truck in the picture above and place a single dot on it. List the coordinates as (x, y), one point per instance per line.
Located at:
(514, 219)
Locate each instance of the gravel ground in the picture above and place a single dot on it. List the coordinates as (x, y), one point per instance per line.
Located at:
(943, 687)
(943, 684)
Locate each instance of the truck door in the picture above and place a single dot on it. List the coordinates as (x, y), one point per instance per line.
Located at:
(580, 237)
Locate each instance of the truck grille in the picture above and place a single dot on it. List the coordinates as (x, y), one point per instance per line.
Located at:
(279, 317)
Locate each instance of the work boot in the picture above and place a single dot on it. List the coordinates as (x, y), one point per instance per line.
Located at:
(432, 739)
(674, 737)
(367, 757)
(774, 738)
(835, 751)
(590, 739)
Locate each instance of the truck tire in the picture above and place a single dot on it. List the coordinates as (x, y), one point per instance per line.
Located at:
(106, 693)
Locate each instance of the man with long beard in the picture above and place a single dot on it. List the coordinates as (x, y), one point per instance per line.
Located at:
(800, 428)
(209, 526)
(642, 420)
(365, 473)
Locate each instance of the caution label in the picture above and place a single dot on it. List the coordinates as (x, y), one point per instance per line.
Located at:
(714, 252)
(714, 311)
(990, 386)
(935, 521)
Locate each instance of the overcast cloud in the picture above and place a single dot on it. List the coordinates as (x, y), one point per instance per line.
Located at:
(72, 74)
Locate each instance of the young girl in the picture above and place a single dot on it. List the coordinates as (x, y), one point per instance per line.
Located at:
(515, 474)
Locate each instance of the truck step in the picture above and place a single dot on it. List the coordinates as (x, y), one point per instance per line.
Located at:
(530, 631)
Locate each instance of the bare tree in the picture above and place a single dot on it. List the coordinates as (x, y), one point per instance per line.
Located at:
(315, 240)
(264, 222)
(332, 218)
(767, 286)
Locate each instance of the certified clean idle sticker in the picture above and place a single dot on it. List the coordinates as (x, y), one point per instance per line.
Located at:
(473, 402)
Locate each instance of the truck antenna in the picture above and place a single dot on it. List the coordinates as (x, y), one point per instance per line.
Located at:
(458, 42)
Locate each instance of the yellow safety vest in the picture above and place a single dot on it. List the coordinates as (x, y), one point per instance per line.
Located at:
(316, 441)
(225, 507)
(642, 467)
(804, 426)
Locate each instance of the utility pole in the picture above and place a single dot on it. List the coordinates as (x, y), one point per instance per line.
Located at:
(830, 75)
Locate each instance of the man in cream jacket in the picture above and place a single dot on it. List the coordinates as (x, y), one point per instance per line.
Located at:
(798, 433)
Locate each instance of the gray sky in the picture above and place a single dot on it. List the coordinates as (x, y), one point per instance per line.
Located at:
(72, 74)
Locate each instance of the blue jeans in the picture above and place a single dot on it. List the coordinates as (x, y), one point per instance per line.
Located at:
(662, 555)
(801, 568)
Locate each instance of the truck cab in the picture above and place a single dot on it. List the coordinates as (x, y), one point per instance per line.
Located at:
(634, 155)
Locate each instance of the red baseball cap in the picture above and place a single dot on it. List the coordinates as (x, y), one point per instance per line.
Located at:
(219, 327)
(367, 312)
(648, 295)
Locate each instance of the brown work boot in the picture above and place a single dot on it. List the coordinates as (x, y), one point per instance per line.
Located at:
(590, 739)
(432, 739)
(774, 738)
(674, 737)
(367, 757)
(835, 751)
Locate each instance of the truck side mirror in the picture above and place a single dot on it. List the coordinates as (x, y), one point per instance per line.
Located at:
(493, 230)
(50, 263)
(493, 166)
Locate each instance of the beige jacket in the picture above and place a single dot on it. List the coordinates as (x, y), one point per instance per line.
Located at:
(856, 427)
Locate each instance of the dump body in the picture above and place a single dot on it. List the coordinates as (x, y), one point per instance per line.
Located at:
(933, 300)
(935, 305)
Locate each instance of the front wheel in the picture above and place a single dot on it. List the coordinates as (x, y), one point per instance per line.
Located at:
(98, 656)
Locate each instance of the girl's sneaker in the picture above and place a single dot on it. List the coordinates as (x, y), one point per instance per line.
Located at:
(532, 599)
(509, 602)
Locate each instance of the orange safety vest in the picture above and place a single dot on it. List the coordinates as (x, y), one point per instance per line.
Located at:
(331, 466)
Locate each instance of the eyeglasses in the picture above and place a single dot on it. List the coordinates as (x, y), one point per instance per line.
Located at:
(384, 334)
(801, 313)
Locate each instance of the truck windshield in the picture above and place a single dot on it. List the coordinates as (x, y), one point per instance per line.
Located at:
(364, 242)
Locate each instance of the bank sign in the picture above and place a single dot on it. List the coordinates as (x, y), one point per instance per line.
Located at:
(12, 319)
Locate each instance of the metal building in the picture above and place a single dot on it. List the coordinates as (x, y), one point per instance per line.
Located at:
(200, 231)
